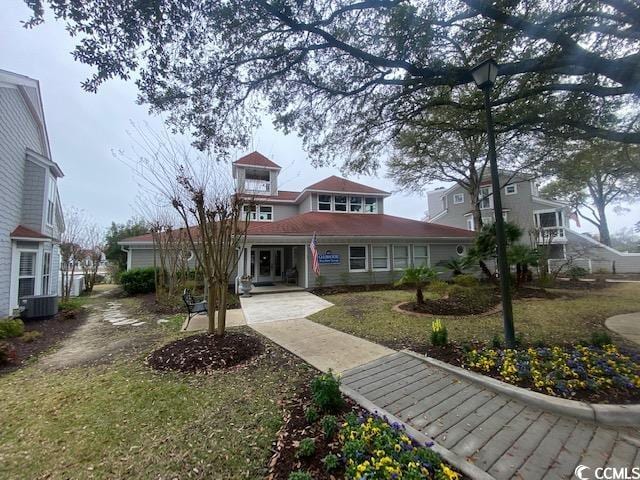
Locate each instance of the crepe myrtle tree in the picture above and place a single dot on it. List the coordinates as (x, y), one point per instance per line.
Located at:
(364, 70)
(71, 248)
(201, 192)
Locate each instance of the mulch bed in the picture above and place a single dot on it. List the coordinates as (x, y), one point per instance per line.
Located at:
(53, 330)
(206, 353)
(448, 306)
(296, 428)
(355, 288)
(579, 285)
(454, 355)
(150, 304)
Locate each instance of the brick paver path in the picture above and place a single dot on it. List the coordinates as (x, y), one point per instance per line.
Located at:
(503, 437)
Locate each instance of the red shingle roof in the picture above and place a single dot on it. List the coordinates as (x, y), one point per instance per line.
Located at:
(256, 159)
(24, 232)
(339, 184)
(355, 224)
(283, 196)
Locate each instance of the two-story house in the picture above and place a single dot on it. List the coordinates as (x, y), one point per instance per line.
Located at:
(31, 218)
(543, 221)
(358, 243)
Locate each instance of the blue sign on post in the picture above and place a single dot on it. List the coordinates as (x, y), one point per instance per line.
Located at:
(328, 258)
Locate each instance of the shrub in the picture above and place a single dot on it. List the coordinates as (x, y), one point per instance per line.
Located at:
(11, 328)
(465, 280)
(311, 414)
(325, 389)
(576, 273)
(331, 462)
(7, 353)
(496, 341)
(439, 334)
(300, 475)
(138, 280)
(329, 426)
(30, 336)
(306, 448)
(475, 299)
(438, 286)
(73, 304)
(600, 339)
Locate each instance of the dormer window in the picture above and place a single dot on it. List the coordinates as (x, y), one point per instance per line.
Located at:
(340, 203)
(51, 201)
(257, 181)
(371, 205)
(355, 204)
(324, 202)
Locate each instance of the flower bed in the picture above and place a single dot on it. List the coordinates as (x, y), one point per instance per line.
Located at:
(598, 374)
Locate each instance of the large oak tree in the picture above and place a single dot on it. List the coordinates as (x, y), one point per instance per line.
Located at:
(350, 75)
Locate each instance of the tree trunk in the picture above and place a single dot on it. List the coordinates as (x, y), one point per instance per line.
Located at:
(419, 296)
(212, 304)
(222, 309)
(603, 227)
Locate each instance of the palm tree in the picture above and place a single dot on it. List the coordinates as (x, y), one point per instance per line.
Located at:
(418, 278)
(522, 256)
(484, 247)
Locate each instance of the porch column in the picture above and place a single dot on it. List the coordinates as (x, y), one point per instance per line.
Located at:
(306, 266)
(247, 259)
(240, 270)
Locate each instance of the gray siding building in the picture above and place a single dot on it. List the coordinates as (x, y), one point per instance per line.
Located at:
(31, 218)
(357, 243)
(542, 220)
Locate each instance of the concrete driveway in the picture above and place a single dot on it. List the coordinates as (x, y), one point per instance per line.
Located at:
(281, 306)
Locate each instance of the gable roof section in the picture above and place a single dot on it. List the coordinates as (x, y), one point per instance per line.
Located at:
(342, 185)
(256, 159)
(356, 225)
(23, 232)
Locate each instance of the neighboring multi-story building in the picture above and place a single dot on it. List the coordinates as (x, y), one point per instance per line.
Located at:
(358, 242)
(543, 221)
(31, 219)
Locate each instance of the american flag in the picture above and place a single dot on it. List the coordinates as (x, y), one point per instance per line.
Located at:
(313, 246)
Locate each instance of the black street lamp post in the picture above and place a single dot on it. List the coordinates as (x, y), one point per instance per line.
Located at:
(484, 74)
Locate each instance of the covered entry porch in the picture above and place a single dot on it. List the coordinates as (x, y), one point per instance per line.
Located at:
(274, 267)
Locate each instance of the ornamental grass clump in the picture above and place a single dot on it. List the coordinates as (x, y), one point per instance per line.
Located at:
(439, 334)
(374, 449)
(559, 371)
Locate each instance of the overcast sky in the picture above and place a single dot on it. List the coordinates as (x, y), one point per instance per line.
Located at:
(85, 128)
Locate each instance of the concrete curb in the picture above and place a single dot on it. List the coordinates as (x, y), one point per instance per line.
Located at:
(611, 415)
(460, 463)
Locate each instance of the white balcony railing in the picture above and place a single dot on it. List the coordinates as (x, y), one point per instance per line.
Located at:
(257, 186)
(551, 235)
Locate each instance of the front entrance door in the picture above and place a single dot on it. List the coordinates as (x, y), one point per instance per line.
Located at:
(269, 263)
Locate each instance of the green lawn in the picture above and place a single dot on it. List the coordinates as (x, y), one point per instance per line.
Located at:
(123, 420)
(370, 315)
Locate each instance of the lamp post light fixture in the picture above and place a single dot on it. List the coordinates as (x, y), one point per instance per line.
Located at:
(485, 74)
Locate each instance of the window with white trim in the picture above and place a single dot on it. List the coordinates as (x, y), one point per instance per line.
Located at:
(471, 224)
(380, 257)
(26, 274)
(46, 273)
(340, 203)
(400, 257)
(461, 250)
(420, 256)
(511, 189)
(370, 205)
(324, 202)
(486, 199)
(458, 198)
(266, 213)
(355, 204)
(51, 201)
(358, 258)
(251, 211)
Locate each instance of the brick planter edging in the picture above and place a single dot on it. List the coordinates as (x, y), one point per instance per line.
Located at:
(460, 463)
(613, 415)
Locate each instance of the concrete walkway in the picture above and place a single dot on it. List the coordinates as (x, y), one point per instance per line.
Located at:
(198, 322)
(281, 306)
(321, 346)
(501, 436)
(627, 325)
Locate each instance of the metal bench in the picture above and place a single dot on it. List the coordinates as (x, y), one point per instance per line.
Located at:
(193, 307)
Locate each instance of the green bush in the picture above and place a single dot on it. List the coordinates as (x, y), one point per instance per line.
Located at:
(306, 448)
(465, 280)
(11, 328)
(329, 426)
(300, 475)
(70, 305)
(496, 341)
(599, 339)
(7, 353)
(331, 462)
(30, 336)
(437, 286)
(311, 414)
(325, 389)
(138, 280)
(576, 273)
